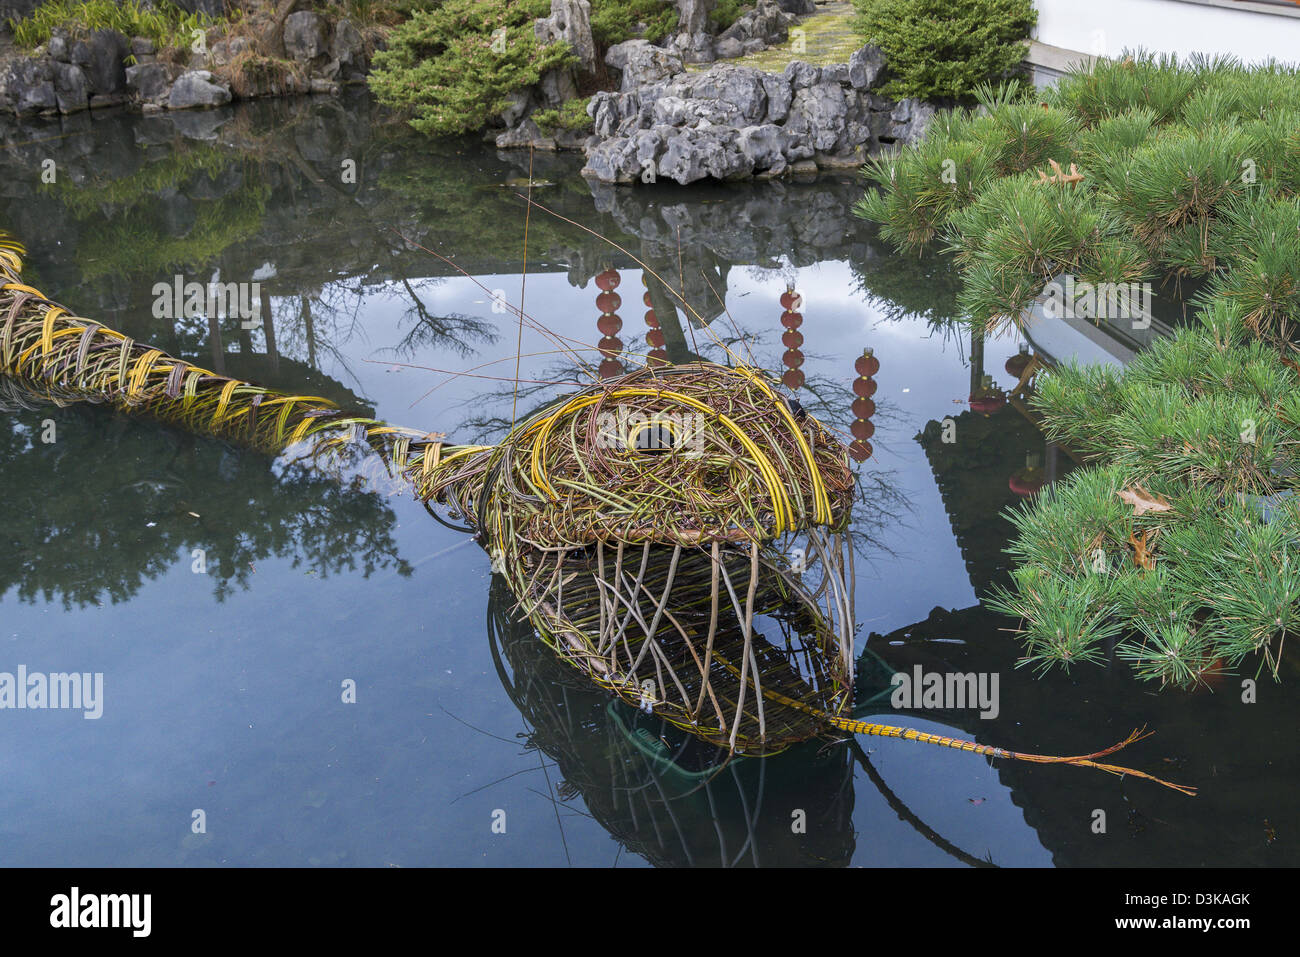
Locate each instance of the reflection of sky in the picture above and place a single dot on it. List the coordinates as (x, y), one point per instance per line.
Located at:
(235, 707)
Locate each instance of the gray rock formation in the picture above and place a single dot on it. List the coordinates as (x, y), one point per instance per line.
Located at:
(151, 82)
(71, 89)
(766, 23)
(694, 40)
(734, 122)
(197, 88)
(100, 57)
(28, 85)
(306, 36)
(647, 65)
(74, 72)
(570, 22)
(349, 49)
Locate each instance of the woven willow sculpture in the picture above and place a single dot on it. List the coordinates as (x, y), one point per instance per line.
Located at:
(640, 522)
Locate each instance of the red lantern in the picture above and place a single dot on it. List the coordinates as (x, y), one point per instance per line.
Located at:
(1027, 482)
(1018, 363)
(860, 449)
(655, 337)
(646, 300)
(792, 339)
(608, 280)
(791, 320)
(867, 364)
(863, 387)
(792, 378)
(652, 320)
(608, 302)
(862, 429)
(610, 347)
(790, 299)
(610, 368)
(987, 404)
(793, 358)
(865, 410)
(657, 357)
(609, 324)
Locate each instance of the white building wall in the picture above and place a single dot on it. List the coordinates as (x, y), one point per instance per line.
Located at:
(1250, 31)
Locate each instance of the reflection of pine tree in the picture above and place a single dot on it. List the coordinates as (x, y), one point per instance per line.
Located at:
(89, 540)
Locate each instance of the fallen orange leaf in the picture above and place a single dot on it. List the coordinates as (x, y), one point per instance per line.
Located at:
(1143, 501)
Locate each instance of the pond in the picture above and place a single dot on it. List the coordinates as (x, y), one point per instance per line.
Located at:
(231, 602)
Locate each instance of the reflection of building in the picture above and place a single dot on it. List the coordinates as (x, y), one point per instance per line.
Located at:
(1246, 793)
(1061, 338)
(973, 473)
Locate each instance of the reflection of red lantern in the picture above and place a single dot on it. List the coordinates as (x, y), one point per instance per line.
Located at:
(646, 300)
(987, 404)
(864, 387)
(1029, 480)
(792, 338)
(988, 398)
(652, 320)
(1018, 363)
(657, 357)
(608, 324)
(655, 338)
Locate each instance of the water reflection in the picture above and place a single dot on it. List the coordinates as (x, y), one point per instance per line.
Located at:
(99, 514)
(80, 482)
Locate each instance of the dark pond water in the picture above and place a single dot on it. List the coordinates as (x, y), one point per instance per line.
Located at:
(222, 689)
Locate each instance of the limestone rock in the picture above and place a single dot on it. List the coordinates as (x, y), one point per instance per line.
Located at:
(570, 22)
(306, 36)
(196, 88)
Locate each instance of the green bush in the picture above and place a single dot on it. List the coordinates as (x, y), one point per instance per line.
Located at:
(943, 49)
(448, 65)
(1181, 539)
(163, 22)
(453, 70)
(572, 116)
(613, 21)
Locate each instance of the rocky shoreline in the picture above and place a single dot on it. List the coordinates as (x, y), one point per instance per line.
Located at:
(735, 122)
(70, 73)
(662, 121)
(730, 122)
